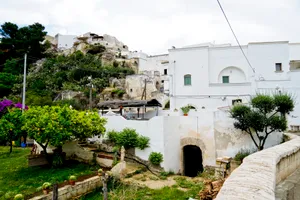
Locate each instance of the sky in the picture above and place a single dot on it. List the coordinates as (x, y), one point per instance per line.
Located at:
(154, 26)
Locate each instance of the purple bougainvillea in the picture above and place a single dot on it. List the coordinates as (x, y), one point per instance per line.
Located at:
(8, 103)
(19, 105)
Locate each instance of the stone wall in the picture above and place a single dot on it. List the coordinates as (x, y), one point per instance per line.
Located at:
(260, 172)
(289, 189)
(69, 191)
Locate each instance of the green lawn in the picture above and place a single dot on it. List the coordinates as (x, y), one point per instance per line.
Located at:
(16, 177)
(125, 192)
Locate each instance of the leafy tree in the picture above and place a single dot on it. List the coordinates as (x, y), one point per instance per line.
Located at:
(54, 125)
(12, 66)
(16, 41)
(38, 99)
(10, 128)
(265, 115)
(7, 82)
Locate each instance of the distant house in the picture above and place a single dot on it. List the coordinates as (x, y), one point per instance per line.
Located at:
(65, 41)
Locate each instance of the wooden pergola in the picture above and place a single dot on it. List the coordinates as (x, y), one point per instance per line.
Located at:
(120, 104)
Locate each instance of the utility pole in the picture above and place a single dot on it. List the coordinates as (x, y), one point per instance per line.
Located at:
(144, 91)
(24, 84)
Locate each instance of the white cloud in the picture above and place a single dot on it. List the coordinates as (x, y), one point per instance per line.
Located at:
(154, 26)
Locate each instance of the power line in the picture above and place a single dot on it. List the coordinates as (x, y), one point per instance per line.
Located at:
(235, 36)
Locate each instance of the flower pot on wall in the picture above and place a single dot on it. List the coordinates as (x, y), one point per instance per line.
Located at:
(46, 191)
(72, 182)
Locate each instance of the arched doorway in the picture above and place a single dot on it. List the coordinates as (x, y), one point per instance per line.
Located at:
(192, 160)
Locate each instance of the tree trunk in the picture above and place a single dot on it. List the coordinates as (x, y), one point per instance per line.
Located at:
(104, 189)
(45, 152)
(10, 141)
(55, 192)
(10, 149)
(25, 138)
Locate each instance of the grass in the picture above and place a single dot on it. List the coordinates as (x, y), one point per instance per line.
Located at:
(16, 177)
(126, 192)
(208, 174)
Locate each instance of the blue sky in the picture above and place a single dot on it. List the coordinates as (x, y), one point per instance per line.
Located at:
(156, 25)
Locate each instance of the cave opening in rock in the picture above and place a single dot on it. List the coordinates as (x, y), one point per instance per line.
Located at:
(192, 160)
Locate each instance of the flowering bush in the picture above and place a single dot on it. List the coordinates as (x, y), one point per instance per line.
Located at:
(11, 122)
(6, 103)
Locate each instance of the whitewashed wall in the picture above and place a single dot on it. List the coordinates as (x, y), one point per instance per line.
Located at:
(229, 141)
(153, 63)
(152, 128)
(221, 58)
(214, 129)
(263, 57)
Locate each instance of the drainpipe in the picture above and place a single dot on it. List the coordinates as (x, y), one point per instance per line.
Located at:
(173, 85)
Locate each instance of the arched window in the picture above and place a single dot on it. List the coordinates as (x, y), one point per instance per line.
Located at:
(187, 79)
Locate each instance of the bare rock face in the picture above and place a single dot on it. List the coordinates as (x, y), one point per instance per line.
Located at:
(119, 170)
(116, 83)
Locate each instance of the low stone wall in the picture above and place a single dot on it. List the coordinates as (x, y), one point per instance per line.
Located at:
(72, 191)
(289, 189)
(260, 172)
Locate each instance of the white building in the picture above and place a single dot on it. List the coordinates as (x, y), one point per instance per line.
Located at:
(213, 76)
(110, 42)
(65, 41)
(156, 63)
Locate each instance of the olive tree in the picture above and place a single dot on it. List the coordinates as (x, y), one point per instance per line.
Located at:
(54, 125)
(264, 115)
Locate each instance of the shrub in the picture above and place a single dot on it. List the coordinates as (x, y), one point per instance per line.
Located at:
(72, 178)
(112, 136)
(46, 186)
(128, 138)
(155, 158)
(118, 92)
(19, 197)
(143, 142)
(243, 154)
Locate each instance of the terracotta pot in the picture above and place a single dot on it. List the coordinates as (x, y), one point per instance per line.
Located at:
(46, 191)
(99, 174)
(185, 114)
(72, 182)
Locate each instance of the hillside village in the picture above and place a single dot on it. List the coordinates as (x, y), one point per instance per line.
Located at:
(202, 121)
(150, 72)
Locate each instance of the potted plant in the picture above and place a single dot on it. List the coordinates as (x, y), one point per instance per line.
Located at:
(46, 187)
(185, 110)
(100, 172)
(72, 180)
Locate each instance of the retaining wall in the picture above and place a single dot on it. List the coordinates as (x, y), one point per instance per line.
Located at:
(70, 191)
(261, 172)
